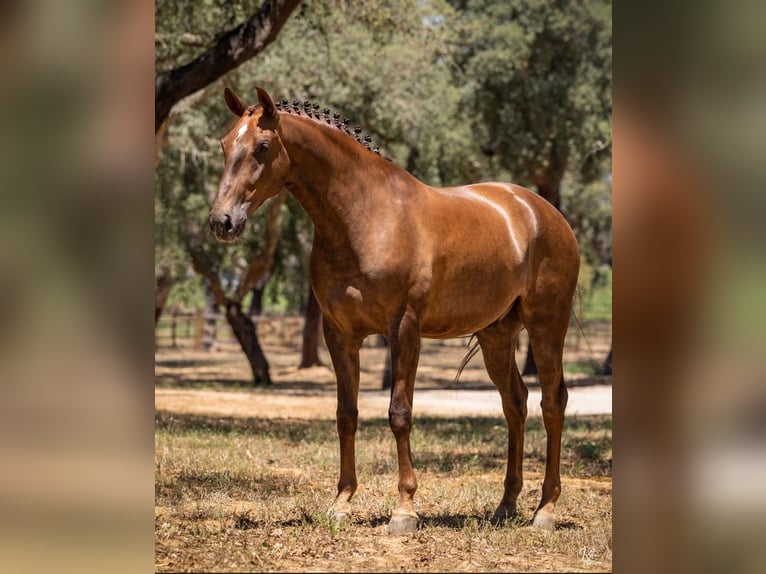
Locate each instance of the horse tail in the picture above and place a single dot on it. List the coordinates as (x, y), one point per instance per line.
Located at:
(473, 348)
(578, 296)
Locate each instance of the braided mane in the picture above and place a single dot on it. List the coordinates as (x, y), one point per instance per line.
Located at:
(312, 111)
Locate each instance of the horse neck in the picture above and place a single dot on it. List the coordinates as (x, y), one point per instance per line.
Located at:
(329, 172)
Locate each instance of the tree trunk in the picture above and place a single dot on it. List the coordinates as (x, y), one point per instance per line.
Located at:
(606, 366)
(311, 330)
(161, 291)
(530, 366)
(551, 192)
(548, 180)
(261, 261)
(209, 322)
(245, 332)
(256, 304)
(232, 49)
(412, 160)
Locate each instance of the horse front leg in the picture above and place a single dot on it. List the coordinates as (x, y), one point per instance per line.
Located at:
(344, 352)
(405, 352)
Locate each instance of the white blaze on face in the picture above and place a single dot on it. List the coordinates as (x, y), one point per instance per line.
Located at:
(241, 131)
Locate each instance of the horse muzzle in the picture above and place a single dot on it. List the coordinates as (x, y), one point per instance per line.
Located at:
(227, 226)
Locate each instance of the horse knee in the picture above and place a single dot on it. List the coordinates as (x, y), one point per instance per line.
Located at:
(400, 419)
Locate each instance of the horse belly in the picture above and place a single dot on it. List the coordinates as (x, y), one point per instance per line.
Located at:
(458, 307)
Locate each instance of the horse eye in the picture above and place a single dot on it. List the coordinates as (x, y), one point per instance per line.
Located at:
(261, 148)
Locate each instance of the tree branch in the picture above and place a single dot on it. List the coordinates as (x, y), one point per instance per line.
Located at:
(231, 50)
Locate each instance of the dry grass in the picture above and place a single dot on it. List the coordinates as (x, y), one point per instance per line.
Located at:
(244, 494)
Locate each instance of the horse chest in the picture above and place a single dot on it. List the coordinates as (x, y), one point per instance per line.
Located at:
(352, 307)
(349, 299)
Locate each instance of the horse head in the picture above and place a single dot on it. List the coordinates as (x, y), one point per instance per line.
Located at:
(256, 165)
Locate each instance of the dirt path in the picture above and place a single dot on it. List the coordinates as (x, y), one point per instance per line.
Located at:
(372, 404)
(218, 384)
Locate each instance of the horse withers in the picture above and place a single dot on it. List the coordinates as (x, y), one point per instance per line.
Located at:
(396, 257)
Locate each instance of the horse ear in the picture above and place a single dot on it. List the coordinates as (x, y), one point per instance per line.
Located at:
(265, 100)
(233, 102)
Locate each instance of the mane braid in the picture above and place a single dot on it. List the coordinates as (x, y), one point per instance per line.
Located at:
(312, 111)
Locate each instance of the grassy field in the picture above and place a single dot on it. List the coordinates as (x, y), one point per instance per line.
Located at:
(247, 494)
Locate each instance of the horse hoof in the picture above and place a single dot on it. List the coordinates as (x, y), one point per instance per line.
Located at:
(403, 524)
(339, 519)
(545, 521)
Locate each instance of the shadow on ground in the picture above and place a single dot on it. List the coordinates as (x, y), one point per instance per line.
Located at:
(450, 521)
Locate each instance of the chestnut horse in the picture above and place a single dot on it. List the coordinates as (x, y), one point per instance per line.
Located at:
(396, 257)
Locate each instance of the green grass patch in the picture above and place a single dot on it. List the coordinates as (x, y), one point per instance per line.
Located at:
(594, 296)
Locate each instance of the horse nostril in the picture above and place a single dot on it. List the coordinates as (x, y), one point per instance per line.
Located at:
(227, 224)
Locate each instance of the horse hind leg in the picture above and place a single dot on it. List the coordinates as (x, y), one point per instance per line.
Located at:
(547, 325)
(498, 349)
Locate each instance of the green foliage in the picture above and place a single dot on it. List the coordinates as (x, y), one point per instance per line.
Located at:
(594, 292)
(541, 77)
(588, 208)
(185, 28)
(389, 68)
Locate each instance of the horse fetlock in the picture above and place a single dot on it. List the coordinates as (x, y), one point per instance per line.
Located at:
(504, 512)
